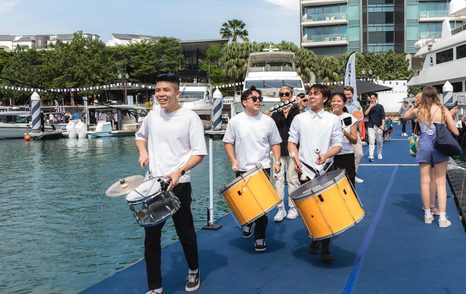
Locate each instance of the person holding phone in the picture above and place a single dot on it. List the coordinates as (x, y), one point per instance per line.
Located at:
(345, 158)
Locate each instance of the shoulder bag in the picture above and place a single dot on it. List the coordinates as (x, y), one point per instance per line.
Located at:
(445, 142)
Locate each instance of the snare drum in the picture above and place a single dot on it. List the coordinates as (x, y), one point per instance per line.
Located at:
(250, 196)
(150, 205)
(328, 205)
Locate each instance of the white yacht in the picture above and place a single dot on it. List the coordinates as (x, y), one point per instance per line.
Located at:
(198, 97)
(14, 124)
(445, 58)
(269, 71)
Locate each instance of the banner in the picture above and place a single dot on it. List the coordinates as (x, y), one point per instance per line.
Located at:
(350, 73)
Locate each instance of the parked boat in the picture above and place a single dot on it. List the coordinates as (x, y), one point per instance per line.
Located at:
(104, 129)
(269, 71)
(445, 58)
(198, 98)
(14, 124)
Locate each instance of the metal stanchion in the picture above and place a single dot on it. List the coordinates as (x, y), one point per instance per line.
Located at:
(216, 130)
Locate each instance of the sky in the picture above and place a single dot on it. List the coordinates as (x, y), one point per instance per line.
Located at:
(266, 20)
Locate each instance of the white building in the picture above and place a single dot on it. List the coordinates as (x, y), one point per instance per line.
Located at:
(126, 39)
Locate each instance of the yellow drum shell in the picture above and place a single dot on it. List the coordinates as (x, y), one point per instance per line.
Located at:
(328, 205)
(250, 196)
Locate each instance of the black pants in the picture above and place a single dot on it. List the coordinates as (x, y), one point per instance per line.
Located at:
(261, 222)
(346, 162)
(183, 220)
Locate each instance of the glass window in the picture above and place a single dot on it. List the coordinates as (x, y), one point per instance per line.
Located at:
(461, 51)
(267, 84)
(444, 56)
(457, 87)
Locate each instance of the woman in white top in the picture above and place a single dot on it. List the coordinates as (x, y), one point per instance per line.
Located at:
(429, 111)
(345, 159)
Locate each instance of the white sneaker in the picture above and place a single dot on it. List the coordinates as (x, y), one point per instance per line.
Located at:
(428, 219)
(280, 215)
(444, 223)
(292, 213)
(358, 180)
(379, 156)
(371, 158)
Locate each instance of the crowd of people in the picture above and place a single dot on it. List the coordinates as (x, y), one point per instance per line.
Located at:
(171, 142)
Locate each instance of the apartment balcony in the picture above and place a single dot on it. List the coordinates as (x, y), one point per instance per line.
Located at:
(322, 2)
(324, 20)
(432, 16)
(310, 42)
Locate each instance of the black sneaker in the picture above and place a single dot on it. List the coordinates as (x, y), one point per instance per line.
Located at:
(260, 245)
(248, 230)
(327, 257)
(193, 282)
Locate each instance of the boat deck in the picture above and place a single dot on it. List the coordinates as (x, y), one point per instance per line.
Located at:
(390, 251)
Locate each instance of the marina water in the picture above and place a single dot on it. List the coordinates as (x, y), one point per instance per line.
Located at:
(59, 232)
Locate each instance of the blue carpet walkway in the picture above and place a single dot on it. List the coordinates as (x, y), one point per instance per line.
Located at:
(390, 251)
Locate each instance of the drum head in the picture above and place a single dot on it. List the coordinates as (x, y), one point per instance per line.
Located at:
(317, 185)
(147, 188)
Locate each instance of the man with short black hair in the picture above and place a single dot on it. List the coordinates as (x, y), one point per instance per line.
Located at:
(248, 139)
(171, 141)
(375, 126)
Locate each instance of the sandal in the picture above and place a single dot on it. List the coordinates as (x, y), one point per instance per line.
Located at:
(435, 211)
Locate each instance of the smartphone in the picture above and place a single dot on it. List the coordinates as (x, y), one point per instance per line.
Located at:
(347, 121)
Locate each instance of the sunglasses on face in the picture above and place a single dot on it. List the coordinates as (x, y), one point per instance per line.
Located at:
(287, 94)
(255, 98)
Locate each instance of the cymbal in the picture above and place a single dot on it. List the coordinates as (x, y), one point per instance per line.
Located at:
(124, 186)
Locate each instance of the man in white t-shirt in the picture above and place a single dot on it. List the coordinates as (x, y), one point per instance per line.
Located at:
(319, 137)
(248, 139)
(171, 141)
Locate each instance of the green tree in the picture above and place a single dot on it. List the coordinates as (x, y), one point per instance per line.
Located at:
(329, 70)
(169, 55)
(306, 64)
(211, 64)
(234, 29)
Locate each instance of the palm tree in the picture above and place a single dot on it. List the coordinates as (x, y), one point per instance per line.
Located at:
(233, 29)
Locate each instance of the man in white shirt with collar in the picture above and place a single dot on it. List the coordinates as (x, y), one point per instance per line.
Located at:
(248, 139)
(319, 137)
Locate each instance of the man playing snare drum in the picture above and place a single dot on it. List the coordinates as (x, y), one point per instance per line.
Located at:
(171, 141)
(248, 139)
(318, 134)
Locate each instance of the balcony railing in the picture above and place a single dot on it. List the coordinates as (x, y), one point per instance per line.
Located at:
(325, 17)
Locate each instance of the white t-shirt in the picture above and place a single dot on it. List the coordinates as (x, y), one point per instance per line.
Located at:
(313, 131)
(172, 138)
(252, 137)
(347, 147)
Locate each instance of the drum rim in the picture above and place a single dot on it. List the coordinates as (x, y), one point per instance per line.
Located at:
(342, 230)
(240, 178)
(317, 189)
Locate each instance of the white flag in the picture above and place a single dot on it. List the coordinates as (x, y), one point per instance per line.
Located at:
(350, 73)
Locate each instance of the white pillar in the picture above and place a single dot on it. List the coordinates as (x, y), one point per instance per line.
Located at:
(217, 110)
(35, 111)
(447, 94)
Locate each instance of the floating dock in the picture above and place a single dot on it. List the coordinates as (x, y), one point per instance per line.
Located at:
(391, 250)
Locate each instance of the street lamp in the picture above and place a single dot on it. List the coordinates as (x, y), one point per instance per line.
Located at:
(125, 82)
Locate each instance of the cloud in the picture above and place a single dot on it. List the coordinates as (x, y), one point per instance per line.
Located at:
(290, 5)
(7, 6)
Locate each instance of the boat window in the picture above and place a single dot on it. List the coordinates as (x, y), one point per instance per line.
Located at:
(192, 94)
(457, 87)
(461, 51)
(444, 56)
